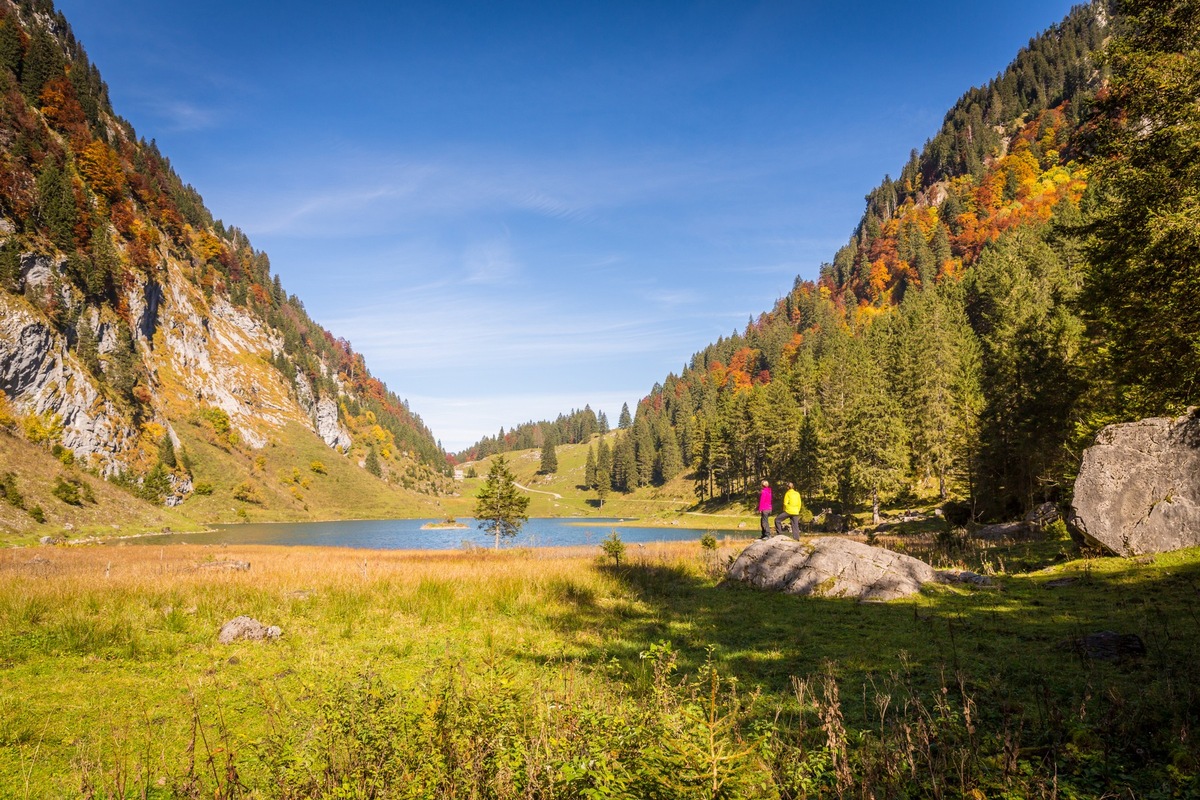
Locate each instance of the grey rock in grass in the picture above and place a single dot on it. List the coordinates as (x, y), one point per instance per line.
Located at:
(964, 576)
(247, 628)
(227, 565)
(1138, 490)
(830, 567)
(1108, 646)
(1042, 515)
(1003, 531)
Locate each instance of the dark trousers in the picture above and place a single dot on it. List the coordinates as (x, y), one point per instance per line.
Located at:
(765, 523)
(792, 521)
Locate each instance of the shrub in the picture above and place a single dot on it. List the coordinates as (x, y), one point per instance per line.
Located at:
(1057, 531)
(8, 419)
(957, 513)
(41, 428)
(318, 468)
(66, 456)
(156, 485)
(247, 492)
(613, 547)
(38, 515)
(8, 490)
(203, 488)
(67, 492)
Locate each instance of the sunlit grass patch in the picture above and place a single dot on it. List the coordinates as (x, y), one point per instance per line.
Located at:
(554, 671)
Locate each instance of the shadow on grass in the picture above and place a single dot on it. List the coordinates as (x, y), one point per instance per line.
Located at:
(1015, 645)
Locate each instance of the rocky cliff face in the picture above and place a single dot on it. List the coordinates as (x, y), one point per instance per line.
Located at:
(44, 379)
(195, 352)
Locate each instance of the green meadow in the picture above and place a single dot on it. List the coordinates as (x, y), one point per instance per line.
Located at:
(556, 673)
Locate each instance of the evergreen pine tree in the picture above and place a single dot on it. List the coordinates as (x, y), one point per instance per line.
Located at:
(10, 267)
(625, 420)
(371, 462)
(166, 452)
(43, 61)
(549, 457)
(87, 348)
(669, 461)
(10, 45)
(589, 469)
(56, 204)
(1144, 274)
(604, 466)
(642, 443)
(1021, 296)
(500, 508)
(807, 464)
(106, 264)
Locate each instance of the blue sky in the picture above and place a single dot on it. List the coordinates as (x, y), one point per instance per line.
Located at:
(515, 209)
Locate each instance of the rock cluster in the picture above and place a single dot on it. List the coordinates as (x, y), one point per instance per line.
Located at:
(1138, 490)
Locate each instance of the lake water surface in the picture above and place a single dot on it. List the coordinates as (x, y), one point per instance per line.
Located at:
(407, 534)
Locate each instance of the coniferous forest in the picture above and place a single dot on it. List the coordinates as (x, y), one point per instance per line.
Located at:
(998, 303)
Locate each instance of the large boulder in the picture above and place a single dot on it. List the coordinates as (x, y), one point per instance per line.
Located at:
(1138, 490)
(830, 567)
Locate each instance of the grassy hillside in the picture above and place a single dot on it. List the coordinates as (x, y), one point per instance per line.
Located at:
(552, 674)
(92, 507)
(295, 477)
(671, 504)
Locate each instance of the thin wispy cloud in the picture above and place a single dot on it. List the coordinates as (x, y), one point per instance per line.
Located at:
(490, 262)
(180, 115)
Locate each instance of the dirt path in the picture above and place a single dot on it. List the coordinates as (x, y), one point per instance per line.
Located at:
(555, 495)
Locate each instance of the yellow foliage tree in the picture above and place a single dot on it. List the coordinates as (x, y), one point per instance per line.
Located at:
(101, 166)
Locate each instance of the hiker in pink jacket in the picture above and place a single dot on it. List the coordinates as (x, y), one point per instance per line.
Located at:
(764, 510)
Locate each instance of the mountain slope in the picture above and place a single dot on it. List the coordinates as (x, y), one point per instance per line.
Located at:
(128, 314)
(943, 350)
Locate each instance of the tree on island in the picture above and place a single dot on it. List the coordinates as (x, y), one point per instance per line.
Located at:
(549, 458)
(500, 507)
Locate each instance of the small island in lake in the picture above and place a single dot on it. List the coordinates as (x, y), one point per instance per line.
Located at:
(449, 523)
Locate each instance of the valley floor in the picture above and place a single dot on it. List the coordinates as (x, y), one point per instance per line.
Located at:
(554, 673)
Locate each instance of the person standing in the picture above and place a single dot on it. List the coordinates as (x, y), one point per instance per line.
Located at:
(791, 510)
(764, 510)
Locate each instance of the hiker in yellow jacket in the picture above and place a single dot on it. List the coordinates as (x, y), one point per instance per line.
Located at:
(791, 511)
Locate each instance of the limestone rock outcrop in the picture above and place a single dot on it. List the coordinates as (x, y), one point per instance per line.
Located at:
(1138, 490)
(37, 369)
(831, 567)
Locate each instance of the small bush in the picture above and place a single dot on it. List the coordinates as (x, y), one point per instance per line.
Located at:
(38, 515)
(957, 513)
(8, 490)
(156, 485)
(247, 492)
(613, 547)
(318, 468)
(203, 488)
(8, 418)
(67, 492)
(1057, 531)
(64, 455)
